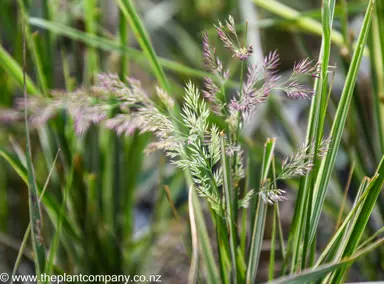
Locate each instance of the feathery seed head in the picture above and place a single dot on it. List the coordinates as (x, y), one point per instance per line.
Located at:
(165, 98)
(273, 195)
(301, 163)
(240, 52)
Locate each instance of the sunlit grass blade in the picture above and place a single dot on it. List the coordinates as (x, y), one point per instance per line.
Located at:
(370, 239)
(10, 66)
(192, 276)
(123, 36)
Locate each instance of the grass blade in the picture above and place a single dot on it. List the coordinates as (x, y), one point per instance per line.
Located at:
(128, 10)
(229, 208)
(259, 220)
(204, 243)
(32, 40)
(113, 45)
(376, 53)
(328, 162)
(332, 244)
(34, 205)
(90, 25)
(56, 238)
(321, 271)
(195, 249)
(21, 251)
(271, 269)
(14, 70)
(362, 220)
(304, 23)
(50, 203)
(314, 134)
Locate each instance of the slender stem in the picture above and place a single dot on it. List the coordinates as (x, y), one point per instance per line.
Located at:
(273, 242)
(344, 25)
(229, 208)
(195, 249)
(346, 189)
(243, 237)
(281, 237)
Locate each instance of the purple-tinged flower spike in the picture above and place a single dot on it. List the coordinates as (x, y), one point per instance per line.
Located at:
(305, 67)
(294, 90)
(162, 145)
(209, 56)
(260, 81)
(211, 62)
(271, 61)
(124, 123)
(40, 109)
(243, 53)
(231, 25)
(210, 94)
(210, 90)
(240, 52)
(10, 115)
(227, 41)
(111, 84)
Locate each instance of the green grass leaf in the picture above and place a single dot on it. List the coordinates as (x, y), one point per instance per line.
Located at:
(10, 66)
(303, 23)
(128, 10)
(362, 219)
(115, 46)
(259, 220)
(205, 243)
(321, 271)
(328, 162)
(228, 189)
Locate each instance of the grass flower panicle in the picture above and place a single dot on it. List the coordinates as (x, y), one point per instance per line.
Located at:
(198, 148)
(301, 163)
(233, 44)
(272, 195)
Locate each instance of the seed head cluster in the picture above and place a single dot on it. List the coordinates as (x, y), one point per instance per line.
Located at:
(190, 140)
